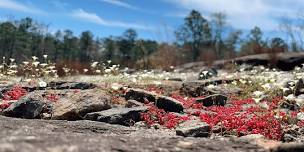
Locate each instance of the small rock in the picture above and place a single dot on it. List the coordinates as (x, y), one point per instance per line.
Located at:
(121, 116)
(207, 73)
(60, 85)
(75, 106)
(220, 89)
(216, 99)
(197, 88)
(193, 128)
(140, 95)
(169, 104)
(29, 107)
(218, 129)
(289, 138)
(162, 102)
(133, 103)
(299, 88)
(185, 144)
(175, 79)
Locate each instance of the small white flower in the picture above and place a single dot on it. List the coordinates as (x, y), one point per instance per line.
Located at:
(42, 84)
(205, 72)
(43, 64)
(116, 86)
(13, 66)
(134, 80)
(300, 116)
(109, 61)
(45, 56)
(258, 93)
(266, 86)
(290, 97)
(85, 70)
(12, 60)
(243, 81)
(157, 82)
(297, 68)
(36, 63)
(108, 70)
(98, 71)
(94, 64)
(257, 100)
(264, 105)
(211, 86)
(34, 58)
(25, 63)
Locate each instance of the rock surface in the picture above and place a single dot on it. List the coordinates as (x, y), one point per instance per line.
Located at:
(207, 73)
(29, 106)
(162, 102)
(197, 88)
(216, 99)
(60, 85)
(75, 106)
(299, 88)
(87, 136)
(193, 128)
(121, 116)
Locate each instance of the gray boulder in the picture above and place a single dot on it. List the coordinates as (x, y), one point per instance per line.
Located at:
(216, 99)
(74, 106)
(29, 107)
(193, 128)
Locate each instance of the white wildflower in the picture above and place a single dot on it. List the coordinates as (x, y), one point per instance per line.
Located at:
(157, 82)
(290, 97)
(43, 64)
(34, 58)
(116, 86)
(42, 84)
(300, 116)
(267, 86)
(36, 63)
(94, 64)
(258, 93)
(108, 70)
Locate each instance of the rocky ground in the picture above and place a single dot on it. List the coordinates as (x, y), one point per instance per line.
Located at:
(247, 107)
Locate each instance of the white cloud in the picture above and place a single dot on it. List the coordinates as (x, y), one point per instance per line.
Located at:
(94, 18)
(16, 6)
(59, 4)
(245, 14)
(121, 4)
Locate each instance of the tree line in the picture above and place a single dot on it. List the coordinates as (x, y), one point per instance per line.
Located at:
(198, 39)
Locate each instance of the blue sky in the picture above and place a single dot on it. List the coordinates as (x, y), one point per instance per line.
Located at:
(153, 19)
